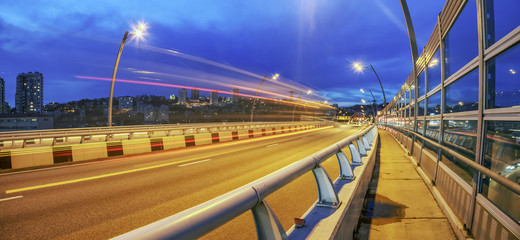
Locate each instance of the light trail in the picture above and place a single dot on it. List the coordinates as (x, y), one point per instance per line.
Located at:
(310, 104)
(216, 64)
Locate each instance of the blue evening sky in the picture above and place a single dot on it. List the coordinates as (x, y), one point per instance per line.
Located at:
(210, 44)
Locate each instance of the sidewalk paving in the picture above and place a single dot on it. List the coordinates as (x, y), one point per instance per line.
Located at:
(399, 204)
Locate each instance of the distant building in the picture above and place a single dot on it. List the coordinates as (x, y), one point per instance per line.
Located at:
(29, 93)
(195, 94)
(183, 96)
(126, 102)
(234, 95)
(19, 122)
(3, 104)
(213, 99)
(156, 114)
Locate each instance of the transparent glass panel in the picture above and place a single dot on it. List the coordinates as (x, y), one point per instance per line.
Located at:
(501, 18)
(412, 110)
(502, 155)
(434, 71)
(461, 136)
(503, 79)
(463, 170)
(420, 127)
(462, 95)
(407, 97)
(432, 129)
(434, 104)
(421, 87)
(461, 43)
(420, 108)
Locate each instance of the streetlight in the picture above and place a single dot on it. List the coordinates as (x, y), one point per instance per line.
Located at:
(359, 68)
(274, 77)
(137, 33)
(299, 97)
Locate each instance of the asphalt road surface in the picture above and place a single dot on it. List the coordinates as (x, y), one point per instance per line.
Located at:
(103, 199)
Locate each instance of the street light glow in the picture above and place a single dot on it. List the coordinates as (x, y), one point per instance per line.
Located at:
(309, 91)
(358, 67)
(363, 91)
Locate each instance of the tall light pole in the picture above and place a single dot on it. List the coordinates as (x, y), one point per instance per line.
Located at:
(136, 33)
(274, 77)
(358, 67)
(299, 98)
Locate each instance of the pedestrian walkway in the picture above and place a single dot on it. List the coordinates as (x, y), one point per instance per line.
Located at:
(398, 204)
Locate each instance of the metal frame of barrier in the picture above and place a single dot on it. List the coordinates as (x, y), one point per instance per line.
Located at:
(484, 217)
(201, 219)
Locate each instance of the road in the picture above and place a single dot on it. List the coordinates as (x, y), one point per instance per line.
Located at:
(103, 199)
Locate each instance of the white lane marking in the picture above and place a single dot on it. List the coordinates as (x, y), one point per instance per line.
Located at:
(272, 145)
(187, 164)
(11, 198)
(304, 137)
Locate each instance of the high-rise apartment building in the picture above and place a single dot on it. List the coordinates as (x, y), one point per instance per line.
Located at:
(29, 93)
(213, 99)
(195, 94)
(2, 96)
(183, 96)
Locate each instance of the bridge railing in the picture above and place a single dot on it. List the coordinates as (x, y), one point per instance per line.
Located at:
(201, 219)
(21, 139)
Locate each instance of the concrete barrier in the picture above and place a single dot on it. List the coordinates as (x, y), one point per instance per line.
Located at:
(243, 134)
(174, 142)
(30, 157)
(89, 151)
(96, 146)
(225, 136)
(202, 139)
(136, 146)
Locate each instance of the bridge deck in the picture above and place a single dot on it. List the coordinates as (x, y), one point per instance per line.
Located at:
(399, 204)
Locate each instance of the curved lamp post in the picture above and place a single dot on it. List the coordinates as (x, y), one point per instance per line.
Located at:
(358, 67)
(136, 33)
(274, 77)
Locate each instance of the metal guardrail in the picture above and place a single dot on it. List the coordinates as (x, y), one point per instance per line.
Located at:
(493, 175)
(130, 131)
(201, 219)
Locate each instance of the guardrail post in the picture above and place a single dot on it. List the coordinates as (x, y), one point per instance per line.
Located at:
(345, 170)
(356, 158)
(327, 194)
(266, 223)
(365, 143)
(361, 148)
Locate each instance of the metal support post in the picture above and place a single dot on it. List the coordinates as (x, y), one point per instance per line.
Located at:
(327, 194)
(266, 223)
(345, 170)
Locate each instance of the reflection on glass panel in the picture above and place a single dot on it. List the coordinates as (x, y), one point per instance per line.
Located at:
(412, 110)
(420, 126)
(461, 136)
(461, 43)
(434, 71)
(434, 104)
(421, 87)
(463, 170)
(503, 73)
(502, 155)
(432, 129)
(501, 18)
(407, 97)
(420, 108)
(462, 95)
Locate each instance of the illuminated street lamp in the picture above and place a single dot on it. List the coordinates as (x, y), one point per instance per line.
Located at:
(359, 68)
(299, 97)
(137, 33)
(274, 78)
